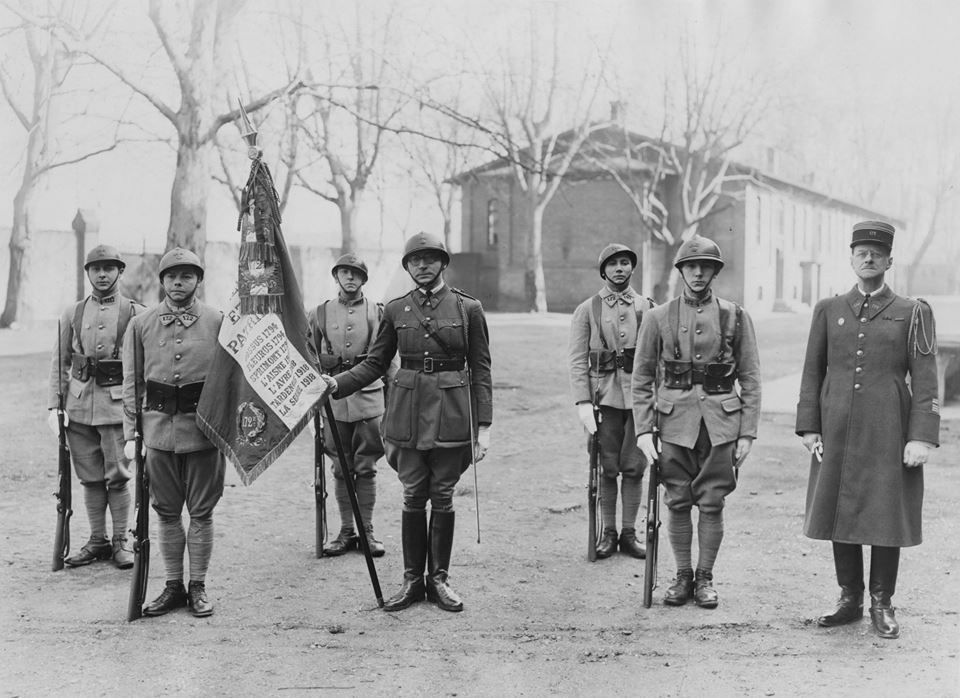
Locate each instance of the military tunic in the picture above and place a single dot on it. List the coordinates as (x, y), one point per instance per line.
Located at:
(95, 412)
(344, 330)
(698, 430)
(426, 419)
(855, 393)
(614, 330)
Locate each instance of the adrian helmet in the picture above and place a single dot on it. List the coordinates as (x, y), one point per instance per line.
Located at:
(698, 249)
(351, 261)
(422, 242)
(180, 257)
(104, 253)
(612, 250)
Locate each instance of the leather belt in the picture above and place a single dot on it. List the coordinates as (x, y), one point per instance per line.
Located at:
(428, 364)
(170, 399)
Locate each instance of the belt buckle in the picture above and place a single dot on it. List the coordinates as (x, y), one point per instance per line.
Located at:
(428, 364)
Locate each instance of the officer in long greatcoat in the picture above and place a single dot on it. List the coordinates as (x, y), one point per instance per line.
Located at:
(444, 380)
(869, 413)
(86, 369)
(706, 406)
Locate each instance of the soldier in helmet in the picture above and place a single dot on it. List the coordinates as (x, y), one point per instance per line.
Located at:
(166, 355)
(343, 330)
(443, 381)
(706, 407)
(603, 335)
(89, 354)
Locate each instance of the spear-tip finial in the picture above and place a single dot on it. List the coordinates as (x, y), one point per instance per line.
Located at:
(248, 132)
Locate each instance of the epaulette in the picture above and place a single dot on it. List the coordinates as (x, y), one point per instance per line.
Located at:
(461, 292)
(921, 340)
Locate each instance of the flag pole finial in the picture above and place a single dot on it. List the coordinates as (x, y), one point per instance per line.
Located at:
(248, 133)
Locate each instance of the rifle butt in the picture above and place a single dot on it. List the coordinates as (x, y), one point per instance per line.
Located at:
(61, 541)
(652, 534)
(138, 581)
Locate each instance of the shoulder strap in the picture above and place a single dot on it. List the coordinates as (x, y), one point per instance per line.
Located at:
(726, 310)
(673, 310)
(428, 326)
(124, 313)
(321, 313)
(78, 321)
(374, 315)
(596, 308)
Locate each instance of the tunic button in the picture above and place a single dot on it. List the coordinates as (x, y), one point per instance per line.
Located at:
(350, 312)
(863, 319)
(699, 310)
(703, 397)
(179, 340)
(856, 386)
(859, 352)
(347, 344)
(161, 342)
(349, 327)
(99, 327)
(177, 357)
(176, 376)
(425, 353)
(621, 317)
(179, 322)
(859, 369)
(99, 346)
(426, 336)
(699, 331)
(623, 334)
(699, 356)
(861, 335)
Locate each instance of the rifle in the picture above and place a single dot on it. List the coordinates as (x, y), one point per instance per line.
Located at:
(594, 528)
(141, 531)
(652, 530)
(473, 436)
(354, 504)
(61, 540)
(319, 483)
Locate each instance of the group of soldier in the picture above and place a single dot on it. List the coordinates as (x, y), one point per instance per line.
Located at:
(677, 384)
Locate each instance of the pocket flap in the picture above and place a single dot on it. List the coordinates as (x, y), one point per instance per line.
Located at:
(731, 404)
(376, 385)
(116, 392)
(76, 387)
(451, 379)
(664, 406)
(405, 378)
(677, 367)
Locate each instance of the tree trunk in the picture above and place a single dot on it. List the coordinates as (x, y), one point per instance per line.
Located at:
(188, 197)
(348, 224)
(19, 257)
(447, 229)
(536, 286)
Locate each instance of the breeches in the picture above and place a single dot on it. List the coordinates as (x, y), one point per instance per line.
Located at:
(701, 476)
(619, 454)
(428, 475)
(194, 479)
(97, 453)
(362, 445)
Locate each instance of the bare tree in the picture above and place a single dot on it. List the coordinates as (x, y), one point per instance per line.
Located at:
(526, 104)
(196, 37)
(50, 65)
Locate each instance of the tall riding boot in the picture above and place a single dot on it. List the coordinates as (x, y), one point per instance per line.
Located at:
(848, 560)
(413, 535)
(884, 565)
(441, 545)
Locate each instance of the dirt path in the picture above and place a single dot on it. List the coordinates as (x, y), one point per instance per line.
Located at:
(539, 619)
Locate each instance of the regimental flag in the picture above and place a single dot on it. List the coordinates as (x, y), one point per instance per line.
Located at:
(261, 388)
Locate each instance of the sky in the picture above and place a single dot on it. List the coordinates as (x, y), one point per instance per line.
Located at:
(887, 67)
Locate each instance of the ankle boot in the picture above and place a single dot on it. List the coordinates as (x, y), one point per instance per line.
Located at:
(173, 596)
(413, 534)
(849, 608)
(345, 541)
(122, 552)
(704, 594)
(441, 545)
(681, 590)
(884, 565)
(630, 545)
(848, 563)
(608, 543)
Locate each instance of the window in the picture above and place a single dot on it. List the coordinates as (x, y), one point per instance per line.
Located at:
(492, 215)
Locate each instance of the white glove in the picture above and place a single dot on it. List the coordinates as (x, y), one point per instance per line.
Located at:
(54, 423)
(645, 444)
(587, 418)
(130, 450)
(331, 384)
(916, 453)
(483, 443)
